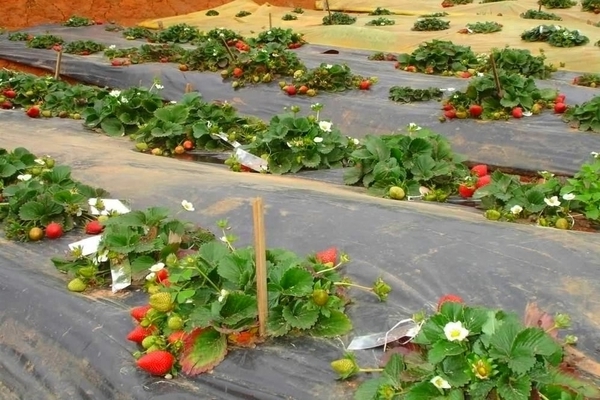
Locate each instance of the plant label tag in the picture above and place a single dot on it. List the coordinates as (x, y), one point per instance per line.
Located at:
(88, 246)
(110, 206)
(250, 160)
(121, 276)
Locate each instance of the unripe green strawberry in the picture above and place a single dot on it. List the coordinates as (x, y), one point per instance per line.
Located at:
(344, 367)
(153, 289)
(87, 272)
(152, 348)
(77, 285)
(161, 302)
(320, 297)
(148, 342)
(175, 323)
(145, 322)
(493, 215)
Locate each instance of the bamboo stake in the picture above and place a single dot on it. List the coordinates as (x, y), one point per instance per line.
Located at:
(270, 21)
(496, 77)
(58, 63)
(188, 88)
(261, 264)
(328, 10)
(161, 26)
(231, 56)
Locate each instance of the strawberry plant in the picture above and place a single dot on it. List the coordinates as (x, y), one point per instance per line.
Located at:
(435, 15)
(326, 77)
(471, 352)
(209, 55)
(37, 193)
(555, 35)
(538, 14)
(285, 37)
(585, 187)
(406, 94)
(483, 27)
(289, 17)
(180, 33)
(212, 13)
(409, 161)
(76, 21)
(518, 92)
(430, 24)
(381, 22)
(561, 4)
(45, 42)
(585, 116)
(132, 242)
(207, 304)
(26, 90)
(298, 10)
(338, 18)
(381, 11)
(84, 47)
(19, 36)
(137, 32)
(148, 53)
(591, 6)
(292, 142)
(225, 34)
(243, 14)
(439, 56)
(380, 56)
(119, 112)
(589, 80)
(195, 120)
(519, 61)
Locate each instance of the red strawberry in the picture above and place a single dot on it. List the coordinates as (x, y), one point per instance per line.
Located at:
(238, 72)
(138, 313)
(465, 74)
(327, 256)
(475, 110)
(448, 107)
(93, 228)
(560, 108)
(560, 98)
(54, 231)
(466, 190)
(33, 112)
(162, 275)
(450, 114)
(6, 105)
(116, 63)
(138, 334)
(517, 112)
(364, 85)
(290, 90)
(480, 170)
(449, 298)
(483, 180)
(411, 68)
(166, 282)
(11, 94)
(157, 362)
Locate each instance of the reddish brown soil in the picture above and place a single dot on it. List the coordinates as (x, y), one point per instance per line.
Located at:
(18, 14)
(30, 70)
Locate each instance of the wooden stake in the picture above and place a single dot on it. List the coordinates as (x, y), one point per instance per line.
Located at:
(261, 265)
(57, 67)
(540, 7)
(496, 77)
(161, 26)
(328, 11)
(231, 56)
(270, 21)
(188, 88)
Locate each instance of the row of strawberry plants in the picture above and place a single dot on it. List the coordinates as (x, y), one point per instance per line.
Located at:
(201, 290)
(292, 141)
(244, 61)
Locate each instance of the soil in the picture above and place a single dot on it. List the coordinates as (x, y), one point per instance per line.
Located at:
(17, 14)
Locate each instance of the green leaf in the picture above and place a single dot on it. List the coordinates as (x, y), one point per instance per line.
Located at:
(474, 319)
(176, 113)
(143, 263)
(422, 391)
(312, 160)
(432, 330)
(133, 219)
(276, 324)
(203, 350)
(201, 317)
(237, 307)
(393, 369)
(214, 251)
(501, 342)
(452, 311)
(510, 388)
(456, 394)
(455, 369)
(35, 211)
(300, 315)
(481, 389)
(296, 282)
(585, 388)
(353, 175)
(280, 167)
(112, 126)
(377, 147)
(58, 174)
(7, 170)
(443, 349)
(185, 295)
(492, 324)
(423, 168)
(235, 269)
(336, 324)
(369, 389)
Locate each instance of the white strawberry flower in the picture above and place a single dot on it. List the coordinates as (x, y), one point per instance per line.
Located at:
(568, 196)
(39, 161)
(552, 201)
(318, 139)
(516, 209)
(151, 276)
(112, 47)
(157, 267)
(440, 382)
(223, 295)
(24, 177)
(115, 93)
(325, 126)
(455, 332)
(159, 87)
(187, 206)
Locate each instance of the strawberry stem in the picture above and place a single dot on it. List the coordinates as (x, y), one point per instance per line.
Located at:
(368, 289)
(375, 370)
(218, 289)
(331, 269)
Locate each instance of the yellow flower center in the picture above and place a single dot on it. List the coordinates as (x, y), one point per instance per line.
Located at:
(455, 333)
